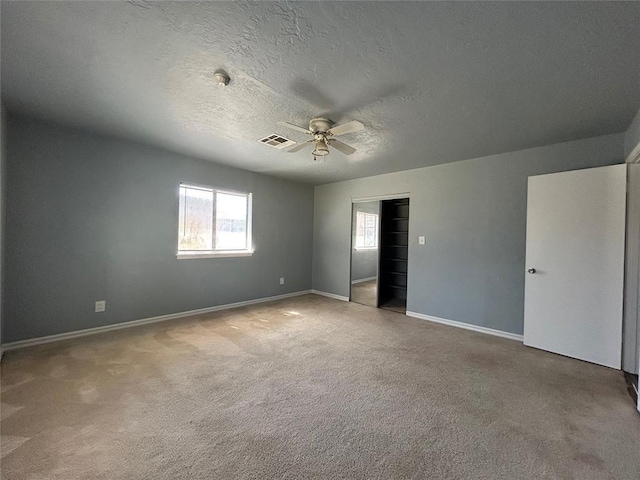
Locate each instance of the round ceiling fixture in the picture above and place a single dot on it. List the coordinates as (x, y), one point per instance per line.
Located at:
(321, 148)
(221, 78)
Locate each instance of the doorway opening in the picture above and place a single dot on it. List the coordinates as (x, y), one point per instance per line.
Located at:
(394, 254)
(380, 252)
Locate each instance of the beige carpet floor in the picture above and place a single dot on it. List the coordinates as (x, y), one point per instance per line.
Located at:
(310, 388)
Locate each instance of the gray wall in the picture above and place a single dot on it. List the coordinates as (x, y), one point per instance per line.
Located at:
(93, 218)
(3, 144)
(630, 344)
(632, 138)
(473, 214)
(631, 337)
(630, 332)
(364, 263)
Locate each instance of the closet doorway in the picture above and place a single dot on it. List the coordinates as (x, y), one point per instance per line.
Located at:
(380, 252)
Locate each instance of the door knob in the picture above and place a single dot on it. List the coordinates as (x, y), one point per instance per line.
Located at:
(531, 270)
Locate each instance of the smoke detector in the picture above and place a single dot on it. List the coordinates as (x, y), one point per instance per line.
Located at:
(221, 78)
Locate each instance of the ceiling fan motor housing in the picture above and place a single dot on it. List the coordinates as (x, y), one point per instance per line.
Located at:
(320, 125)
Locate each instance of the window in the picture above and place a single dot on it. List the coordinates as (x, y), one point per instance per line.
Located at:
(366, 230)
(213, 222)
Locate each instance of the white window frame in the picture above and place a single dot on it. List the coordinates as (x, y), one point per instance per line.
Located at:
(365, 215)
(190, 254)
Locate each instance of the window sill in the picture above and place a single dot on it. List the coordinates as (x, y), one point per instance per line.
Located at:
(365, 248)
(220, 254)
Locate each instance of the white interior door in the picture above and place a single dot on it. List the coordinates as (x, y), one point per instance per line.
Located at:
(575, 263)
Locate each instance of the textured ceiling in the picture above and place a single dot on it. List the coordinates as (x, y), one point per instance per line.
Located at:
(432, 82)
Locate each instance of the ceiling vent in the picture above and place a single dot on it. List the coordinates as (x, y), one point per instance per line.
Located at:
(276, 141)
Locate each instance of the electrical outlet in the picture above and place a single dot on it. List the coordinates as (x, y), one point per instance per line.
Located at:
(422, 240)
(281, 280)
(101, 306)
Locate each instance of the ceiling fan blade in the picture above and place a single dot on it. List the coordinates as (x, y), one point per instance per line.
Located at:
(295, 127)
(349, 127)
(300, 146)
(342, 147)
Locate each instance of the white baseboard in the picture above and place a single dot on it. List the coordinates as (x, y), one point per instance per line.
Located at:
(467, 326)
(330, 295)
(362, 280)
(144, 321)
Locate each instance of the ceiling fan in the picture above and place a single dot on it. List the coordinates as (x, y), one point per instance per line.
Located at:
(323, 132)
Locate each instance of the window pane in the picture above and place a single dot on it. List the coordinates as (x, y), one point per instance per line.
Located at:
(373, 230)
(360, 221)
(195, 219)
(231, 222)
(366, 230)
(370, 238)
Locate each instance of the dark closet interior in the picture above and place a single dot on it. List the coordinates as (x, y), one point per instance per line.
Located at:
(394, 253)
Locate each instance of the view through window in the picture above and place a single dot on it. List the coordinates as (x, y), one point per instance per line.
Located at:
(366, 230)
(213, 221)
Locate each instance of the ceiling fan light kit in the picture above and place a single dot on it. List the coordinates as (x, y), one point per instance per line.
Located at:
(323, 132)
(321, 148)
